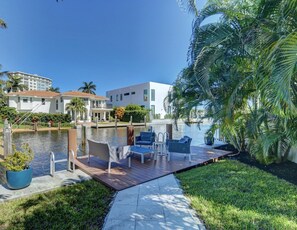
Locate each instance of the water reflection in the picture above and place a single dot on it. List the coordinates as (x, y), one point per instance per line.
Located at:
(44, 142)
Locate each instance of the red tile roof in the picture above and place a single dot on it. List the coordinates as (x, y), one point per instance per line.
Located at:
(48, 94)
(34, 93)
(84, 95)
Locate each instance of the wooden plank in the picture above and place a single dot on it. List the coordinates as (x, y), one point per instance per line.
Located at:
(122, 177)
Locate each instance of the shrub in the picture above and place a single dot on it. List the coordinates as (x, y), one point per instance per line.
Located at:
(20, 159)
(137, 112)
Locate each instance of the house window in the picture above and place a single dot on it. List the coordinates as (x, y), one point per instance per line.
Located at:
(121, 97)
(117, 97)
(31, 99)
(132, 93)
(145, 95)
(152, 95)
(42, 101)
(126, 94)
(61, 99)
(57, 104)
(153, 110)
(110, 98)
(25, 100)
(19, 99)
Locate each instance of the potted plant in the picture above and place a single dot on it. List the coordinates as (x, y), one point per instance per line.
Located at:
(209, 138)
(18, 171)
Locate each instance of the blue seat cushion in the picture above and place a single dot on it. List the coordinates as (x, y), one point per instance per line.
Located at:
(143, 143)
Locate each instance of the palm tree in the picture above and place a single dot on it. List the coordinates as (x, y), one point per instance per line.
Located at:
(54, 89)
(13, 84)
(244, 69)
(88, 87)
(2, 24)
(76, 106)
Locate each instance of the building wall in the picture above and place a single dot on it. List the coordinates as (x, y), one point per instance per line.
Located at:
(33, 81)
(135, 95)
(34, 104)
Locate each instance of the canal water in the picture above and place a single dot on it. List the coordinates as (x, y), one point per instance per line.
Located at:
(43, 142)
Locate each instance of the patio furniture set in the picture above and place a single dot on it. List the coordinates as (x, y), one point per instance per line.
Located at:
(147, 143)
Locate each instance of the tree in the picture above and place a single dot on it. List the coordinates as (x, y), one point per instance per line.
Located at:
(88, 87)
(243, 68)
(54, 89)
(119, 112)
(13, 84)
(2, 24)
(77, 106)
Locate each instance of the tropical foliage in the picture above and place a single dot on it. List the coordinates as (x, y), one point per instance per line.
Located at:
(88, 87)
(20, 159)
(13, 84)
(77, 106)
(243, 69)
(54, 89)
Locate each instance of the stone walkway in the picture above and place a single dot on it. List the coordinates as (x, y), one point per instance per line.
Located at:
(158, 204)
(44, 184)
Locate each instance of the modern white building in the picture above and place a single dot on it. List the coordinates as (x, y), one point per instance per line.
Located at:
(149, 95)
(38, 101)
(33, 81)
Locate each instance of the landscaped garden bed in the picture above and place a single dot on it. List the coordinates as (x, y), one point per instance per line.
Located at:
(233, 195)
(80, 206)
(284, 170)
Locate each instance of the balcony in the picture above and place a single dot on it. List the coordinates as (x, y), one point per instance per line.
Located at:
(102, 106)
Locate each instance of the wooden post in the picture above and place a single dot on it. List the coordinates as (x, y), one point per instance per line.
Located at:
(72, 142)
(35, 126)
(83, 135)
(59, 125)
(145, 120)
(7, 140)
(97, 122)
(116, 121)
(169, 130)
(130, 135)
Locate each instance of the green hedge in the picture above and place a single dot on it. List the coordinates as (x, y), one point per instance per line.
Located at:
(137, 112)
(45, 117)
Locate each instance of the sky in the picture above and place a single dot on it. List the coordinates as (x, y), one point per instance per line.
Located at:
(114, 43)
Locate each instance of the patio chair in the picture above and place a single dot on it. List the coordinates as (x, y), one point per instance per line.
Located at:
(145, 138)
(104, 152)
(182, 146)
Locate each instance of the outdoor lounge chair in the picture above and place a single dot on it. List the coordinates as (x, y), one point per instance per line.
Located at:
(180, 146)
(104, 152)
(145, 138)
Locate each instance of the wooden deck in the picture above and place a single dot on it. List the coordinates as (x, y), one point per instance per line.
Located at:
(122, 177)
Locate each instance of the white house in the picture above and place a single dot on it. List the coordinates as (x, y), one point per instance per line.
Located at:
(149, 95)
(51, 102)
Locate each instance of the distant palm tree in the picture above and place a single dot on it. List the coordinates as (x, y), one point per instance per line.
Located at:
(88, 87)
(54, 89)
(13, 84)
(2, 24)
(76, 105)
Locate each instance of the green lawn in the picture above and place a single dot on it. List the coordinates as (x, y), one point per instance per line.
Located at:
(80, 206)
(232, 195)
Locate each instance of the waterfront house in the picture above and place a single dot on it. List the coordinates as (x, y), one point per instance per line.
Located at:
(149, 95)
(36, 101)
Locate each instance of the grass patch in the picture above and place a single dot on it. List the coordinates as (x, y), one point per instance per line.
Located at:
(80, 206)
(232, 195)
